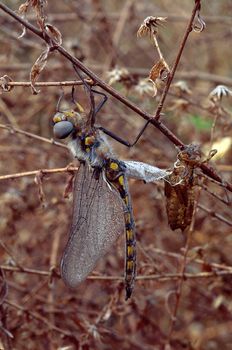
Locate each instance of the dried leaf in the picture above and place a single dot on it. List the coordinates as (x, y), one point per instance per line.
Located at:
(159, 71)
(179, 188)
(22, 12)
(54, 33)
(23, 8)
(4, 84)
(38, 6)
(37, 68)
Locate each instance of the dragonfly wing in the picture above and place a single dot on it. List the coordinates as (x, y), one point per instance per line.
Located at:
(97, 221)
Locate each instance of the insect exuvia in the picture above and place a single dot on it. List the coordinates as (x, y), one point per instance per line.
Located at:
(102, 207)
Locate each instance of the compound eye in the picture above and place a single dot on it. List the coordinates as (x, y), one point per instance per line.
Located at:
(62, 129)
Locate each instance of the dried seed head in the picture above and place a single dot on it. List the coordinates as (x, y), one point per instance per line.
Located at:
(220, 91)
(122, 76)
(150, 25)
(117, 75)
(181, 87)
(144, 87)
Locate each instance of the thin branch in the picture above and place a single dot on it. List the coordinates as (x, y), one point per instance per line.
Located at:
(34, 136)
(191, 75)
(216, 215)
(25, 270)
(159, 125)
(156, 277)
(71, 16)
(39, 171)
(37, 316)
(193, 260)
(49, 83)
(183, 265)
(173, 70)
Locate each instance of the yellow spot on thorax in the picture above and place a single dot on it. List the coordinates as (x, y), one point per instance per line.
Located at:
(113, 166)
(89, 140)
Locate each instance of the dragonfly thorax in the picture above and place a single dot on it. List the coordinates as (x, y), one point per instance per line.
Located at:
(91, 147)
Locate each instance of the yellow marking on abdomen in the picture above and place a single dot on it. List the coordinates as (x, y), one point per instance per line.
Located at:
(129, 265)
(129, 235)
(127, 217)
(121, 180)
(130, 251)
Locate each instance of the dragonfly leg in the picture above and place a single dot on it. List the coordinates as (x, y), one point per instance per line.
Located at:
(59, 101)
(122, 141)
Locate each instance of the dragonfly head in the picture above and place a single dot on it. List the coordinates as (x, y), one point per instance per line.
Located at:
(66, 122)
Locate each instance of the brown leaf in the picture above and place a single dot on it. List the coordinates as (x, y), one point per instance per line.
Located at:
(23, 8)
(37, 68)
(54, 33)
(179, 188)
(4, 84)
(159, 70)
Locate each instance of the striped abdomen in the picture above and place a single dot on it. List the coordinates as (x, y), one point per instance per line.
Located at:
(115, 174)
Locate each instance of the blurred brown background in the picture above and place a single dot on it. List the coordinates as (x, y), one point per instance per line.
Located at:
(103, 35)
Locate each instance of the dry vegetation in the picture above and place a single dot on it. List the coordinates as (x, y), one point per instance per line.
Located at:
(182, 298)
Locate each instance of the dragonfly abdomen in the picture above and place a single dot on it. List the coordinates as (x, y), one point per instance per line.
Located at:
(115, 174)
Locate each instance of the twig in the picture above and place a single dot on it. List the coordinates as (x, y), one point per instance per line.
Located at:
(71, 16)
(50, 83)
(193, 260)
(24, 270)
(216, 215)
(9, 252)
(5, 110)
(182, 271)
(31, 135)
(35, 315)
(159, 125)
(156, 277)
(173, 70)
(39, 171)
(124, 14)
(191, 75)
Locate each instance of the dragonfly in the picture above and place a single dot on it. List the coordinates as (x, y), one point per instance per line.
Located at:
(102, 207)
